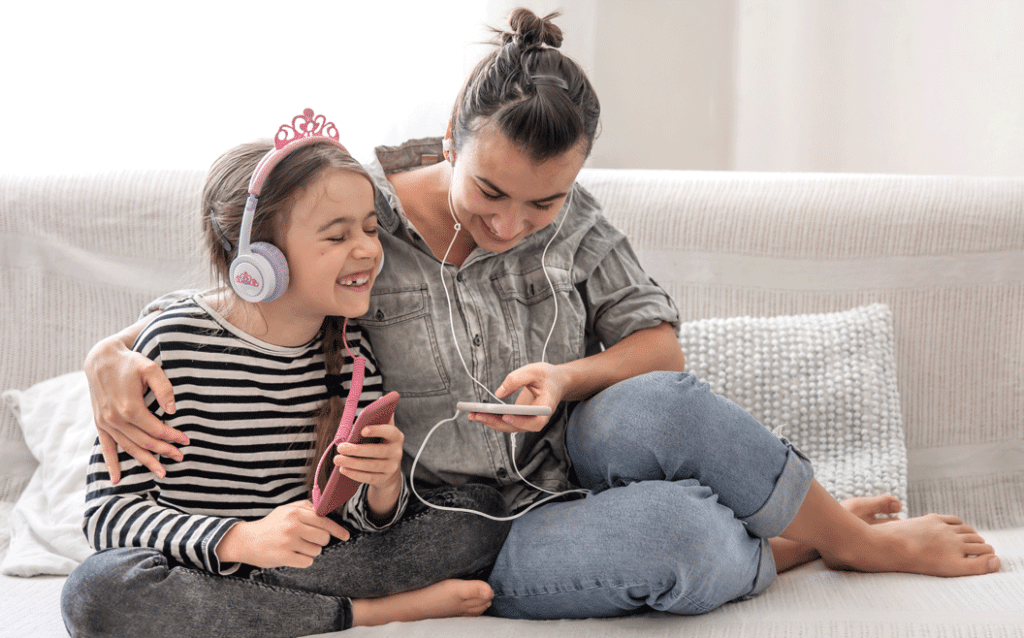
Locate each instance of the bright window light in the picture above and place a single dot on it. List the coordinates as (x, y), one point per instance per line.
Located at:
(110, 85)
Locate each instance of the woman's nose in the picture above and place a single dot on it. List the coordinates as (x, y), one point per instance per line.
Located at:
(506, 226)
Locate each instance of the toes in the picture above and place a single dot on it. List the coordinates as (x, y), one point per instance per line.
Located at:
(978, 549)
(978, 565)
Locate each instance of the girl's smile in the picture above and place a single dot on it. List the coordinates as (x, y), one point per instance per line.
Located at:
(329, 237)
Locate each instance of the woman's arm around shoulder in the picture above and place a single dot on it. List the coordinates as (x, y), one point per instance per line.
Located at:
(118, 379)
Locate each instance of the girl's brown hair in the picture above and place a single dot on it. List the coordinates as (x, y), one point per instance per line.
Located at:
(223, 201)
(545, 117)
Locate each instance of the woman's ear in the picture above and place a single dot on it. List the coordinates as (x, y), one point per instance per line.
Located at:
(449, 151)
(448, 145)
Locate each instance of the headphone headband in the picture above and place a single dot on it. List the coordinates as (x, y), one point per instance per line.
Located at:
(259, 271)
(274, 157)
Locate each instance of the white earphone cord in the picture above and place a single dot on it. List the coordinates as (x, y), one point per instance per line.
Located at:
(451, 317)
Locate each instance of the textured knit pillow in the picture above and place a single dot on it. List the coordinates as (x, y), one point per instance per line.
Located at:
(825, 382)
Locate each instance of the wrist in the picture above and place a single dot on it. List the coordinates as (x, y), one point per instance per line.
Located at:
(231, 548)
(383, 499)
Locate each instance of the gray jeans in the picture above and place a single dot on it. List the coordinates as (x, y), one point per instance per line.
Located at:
(140, 592)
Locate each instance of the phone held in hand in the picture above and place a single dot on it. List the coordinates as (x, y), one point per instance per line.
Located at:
(504, 408)
(339, 487)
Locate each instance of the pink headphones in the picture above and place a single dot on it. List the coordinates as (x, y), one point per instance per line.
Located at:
(260, 271)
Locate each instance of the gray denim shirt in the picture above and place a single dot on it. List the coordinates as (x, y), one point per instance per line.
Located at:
(502, 311)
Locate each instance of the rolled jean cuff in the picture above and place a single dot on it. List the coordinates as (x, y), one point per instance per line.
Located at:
(785, 500)
(765, 571)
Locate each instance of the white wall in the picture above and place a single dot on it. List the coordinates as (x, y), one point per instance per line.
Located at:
(906, 86)
(893, 86)
(902, 86)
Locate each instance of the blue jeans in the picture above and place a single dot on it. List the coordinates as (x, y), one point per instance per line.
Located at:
(139, 592)
(686, 488)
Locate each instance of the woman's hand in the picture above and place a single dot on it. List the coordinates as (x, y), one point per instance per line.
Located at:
(544, 384)
(540, 384)
(377, 464)
(290, 536)
(118, 380)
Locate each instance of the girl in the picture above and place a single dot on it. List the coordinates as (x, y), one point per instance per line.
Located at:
(693, 503)
(224, 542)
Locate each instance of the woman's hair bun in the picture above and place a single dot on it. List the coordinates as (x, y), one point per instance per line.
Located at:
(529, 31)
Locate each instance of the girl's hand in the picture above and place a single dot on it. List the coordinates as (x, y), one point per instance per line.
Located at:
(118, 379)
(541, 384)
(377, 464)
(290, 536)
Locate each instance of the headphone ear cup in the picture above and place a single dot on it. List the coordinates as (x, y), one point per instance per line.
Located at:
(261, 275)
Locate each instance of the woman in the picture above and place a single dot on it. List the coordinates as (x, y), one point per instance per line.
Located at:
(503, 276)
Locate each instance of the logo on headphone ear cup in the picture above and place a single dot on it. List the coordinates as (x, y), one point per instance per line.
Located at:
(261, 275)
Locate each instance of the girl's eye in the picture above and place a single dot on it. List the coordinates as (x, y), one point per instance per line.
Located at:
(542, 206)
(490, 195)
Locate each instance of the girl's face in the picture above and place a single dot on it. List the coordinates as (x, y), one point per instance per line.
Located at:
(332, 247)
(502, 196)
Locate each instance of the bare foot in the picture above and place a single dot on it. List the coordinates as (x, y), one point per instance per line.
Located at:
(445, 599)
(870, 509)
(934, 545)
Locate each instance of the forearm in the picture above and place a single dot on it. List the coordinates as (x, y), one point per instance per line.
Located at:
(110, 519)
(383, 502)
(116, 343)
(643, 351)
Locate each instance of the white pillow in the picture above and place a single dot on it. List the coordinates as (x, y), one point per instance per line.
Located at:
(46, 522)
(825, 382)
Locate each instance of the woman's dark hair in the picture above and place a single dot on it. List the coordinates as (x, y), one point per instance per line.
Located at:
(538, 98)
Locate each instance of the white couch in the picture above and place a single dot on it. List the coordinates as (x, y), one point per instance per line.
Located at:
(80, 255)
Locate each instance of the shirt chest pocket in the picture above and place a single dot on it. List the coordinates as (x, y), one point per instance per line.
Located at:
(404, 341)
(532, 308)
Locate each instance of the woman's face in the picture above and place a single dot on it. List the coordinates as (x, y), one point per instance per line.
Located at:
(500, 196)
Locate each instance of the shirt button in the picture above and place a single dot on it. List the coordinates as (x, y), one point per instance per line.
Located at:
(502, 473)
(458, 277)
(477, 340)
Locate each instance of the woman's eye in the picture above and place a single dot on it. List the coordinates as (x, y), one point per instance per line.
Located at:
(490, 195)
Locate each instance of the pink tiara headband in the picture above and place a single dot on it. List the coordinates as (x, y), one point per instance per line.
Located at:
(304, 129)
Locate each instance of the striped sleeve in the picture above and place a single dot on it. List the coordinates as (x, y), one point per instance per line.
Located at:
(128, 514)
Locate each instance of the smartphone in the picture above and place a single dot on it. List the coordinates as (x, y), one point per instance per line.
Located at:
(504, 408)
(339, 487)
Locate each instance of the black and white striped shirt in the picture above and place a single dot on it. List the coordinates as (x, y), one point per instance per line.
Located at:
(248, 408)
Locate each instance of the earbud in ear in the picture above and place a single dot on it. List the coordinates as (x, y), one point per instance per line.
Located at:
(449, 151)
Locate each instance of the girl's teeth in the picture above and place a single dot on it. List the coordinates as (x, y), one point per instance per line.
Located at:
(356, 282)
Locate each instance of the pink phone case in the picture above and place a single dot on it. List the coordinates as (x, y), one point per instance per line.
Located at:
(339, 487)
